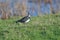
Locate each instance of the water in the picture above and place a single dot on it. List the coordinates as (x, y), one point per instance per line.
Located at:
(43, 8)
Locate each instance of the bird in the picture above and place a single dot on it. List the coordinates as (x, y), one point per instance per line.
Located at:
(25, 19)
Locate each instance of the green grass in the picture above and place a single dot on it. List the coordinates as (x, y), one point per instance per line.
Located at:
(46, 27)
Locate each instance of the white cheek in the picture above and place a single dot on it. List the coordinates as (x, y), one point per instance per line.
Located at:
(27, 20)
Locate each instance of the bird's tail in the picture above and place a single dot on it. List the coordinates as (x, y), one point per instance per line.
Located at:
(16, 21)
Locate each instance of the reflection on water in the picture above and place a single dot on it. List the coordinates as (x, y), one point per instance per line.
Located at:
(43, 8)
(33, 7)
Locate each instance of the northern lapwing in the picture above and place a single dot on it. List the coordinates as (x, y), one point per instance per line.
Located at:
(25, 19)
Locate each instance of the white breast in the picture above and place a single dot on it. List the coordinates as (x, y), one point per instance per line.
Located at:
(27, 21)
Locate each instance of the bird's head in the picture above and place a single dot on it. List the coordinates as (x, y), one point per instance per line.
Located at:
(29, 14)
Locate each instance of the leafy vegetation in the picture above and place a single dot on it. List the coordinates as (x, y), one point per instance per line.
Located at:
(45, 27)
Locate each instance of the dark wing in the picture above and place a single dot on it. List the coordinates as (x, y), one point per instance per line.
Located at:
(25, 18)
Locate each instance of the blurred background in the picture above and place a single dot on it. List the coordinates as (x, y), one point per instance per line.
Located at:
(10, 8)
